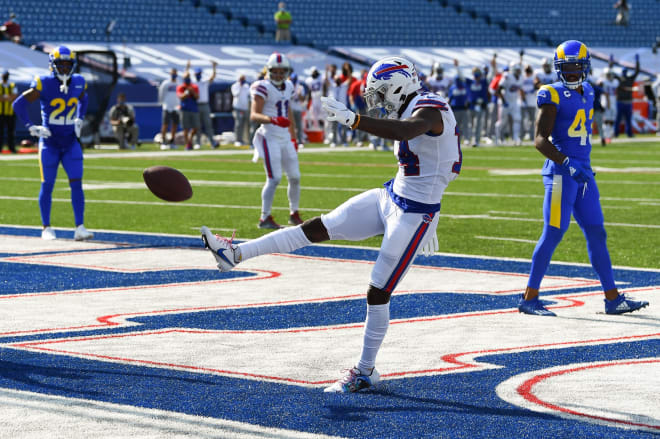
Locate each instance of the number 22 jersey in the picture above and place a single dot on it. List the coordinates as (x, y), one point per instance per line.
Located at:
(58, 109)
(571, 133)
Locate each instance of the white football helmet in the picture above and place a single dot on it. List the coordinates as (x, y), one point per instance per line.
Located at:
(278, 61)
(389, 81)
(515, 68)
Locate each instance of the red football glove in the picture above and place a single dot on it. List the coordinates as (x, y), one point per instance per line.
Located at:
(280, 121)
(295, 144)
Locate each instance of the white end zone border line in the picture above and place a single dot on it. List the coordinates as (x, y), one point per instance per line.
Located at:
(94, 419)
(621, 403)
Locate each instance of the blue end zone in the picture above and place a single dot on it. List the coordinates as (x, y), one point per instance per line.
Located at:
(457, 405)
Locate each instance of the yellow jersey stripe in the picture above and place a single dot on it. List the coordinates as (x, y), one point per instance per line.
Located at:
(554, 96)
(555, 201)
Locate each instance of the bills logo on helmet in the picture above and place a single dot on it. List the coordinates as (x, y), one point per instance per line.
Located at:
(385, 71)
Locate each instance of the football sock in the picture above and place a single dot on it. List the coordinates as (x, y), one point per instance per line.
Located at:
(77, 201)
(293, 192)
(45, 201)
(281, 241)
(599, 255)
(267, 196)
(542, 254)
(375, 328)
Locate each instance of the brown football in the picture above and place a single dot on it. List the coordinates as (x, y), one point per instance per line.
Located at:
(167, 183)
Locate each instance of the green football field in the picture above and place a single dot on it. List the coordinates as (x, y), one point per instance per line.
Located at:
(494, 208)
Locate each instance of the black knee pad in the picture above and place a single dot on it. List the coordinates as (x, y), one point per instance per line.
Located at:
(314, 230)
(376, 296)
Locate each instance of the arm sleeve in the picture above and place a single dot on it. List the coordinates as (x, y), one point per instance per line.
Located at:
(20, 106)
(82, 106)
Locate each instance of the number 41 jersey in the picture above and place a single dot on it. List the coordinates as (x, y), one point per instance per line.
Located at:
(571, 133)
(58, 109)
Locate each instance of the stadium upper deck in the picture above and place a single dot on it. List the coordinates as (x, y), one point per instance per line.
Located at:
(347, 23)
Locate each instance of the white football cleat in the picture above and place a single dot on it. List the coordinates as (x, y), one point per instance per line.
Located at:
(48, 234)
(353, 381)
(82, 234)
(222, 248)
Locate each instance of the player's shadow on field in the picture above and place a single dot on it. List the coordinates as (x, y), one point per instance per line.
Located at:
(358, 413)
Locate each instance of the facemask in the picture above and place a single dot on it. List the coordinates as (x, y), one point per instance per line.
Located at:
(173, 77)
(186, 81)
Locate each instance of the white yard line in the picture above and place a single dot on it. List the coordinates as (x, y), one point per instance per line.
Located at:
(311, 209)
(495, 238)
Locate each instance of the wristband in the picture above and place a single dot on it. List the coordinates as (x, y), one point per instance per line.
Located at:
(357, 121)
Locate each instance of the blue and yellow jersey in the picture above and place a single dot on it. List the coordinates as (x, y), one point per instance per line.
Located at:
(571, 133)
(58, 110)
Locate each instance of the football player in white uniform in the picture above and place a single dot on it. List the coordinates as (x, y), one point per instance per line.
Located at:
(546, 75)
(405, 211)
(609, 84)
(438, 82)
(275, 139)
(511, 95)
(315, 85)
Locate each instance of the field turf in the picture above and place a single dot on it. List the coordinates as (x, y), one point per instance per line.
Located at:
(493, 209)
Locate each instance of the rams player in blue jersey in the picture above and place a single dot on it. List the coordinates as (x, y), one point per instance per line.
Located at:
(566, 113)
(63, 105)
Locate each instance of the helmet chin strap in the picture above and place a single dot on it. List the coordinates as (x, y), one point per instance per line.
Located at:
(64, 82)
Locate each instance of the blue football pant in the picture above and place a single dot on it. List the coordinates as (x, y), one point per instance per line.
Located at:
(565, 197)
(71, 158)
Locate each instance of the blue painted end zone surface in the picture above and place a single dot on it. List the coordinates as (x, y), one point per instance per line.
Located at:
(458, 405)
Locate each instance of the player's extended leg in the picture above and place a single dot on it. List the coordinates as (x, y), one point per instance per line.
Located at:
(589, 216)
(560, 193)
(290, 165)
(271, 152)
(49, 160)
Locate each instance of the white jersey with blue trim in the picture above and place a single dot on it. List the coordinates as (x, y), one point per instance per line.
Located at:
(428, 162)
(277, 102)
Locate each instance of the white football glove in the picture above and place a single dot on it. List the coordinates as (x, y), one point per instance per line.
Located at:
(337, 111)
(77, 126)
(39, 131)
(430, 246)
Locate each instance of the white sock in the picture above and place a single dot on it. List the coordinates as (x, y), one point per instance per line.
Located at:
(280, 241)
(375, 328)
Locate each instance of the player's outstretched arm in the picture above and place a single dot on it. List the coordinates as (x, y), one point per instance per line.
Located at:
(422, 121)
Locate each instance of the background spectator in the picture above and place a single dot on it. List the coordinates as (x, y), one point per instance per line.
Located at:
(283, 21)
(478, 99)
(357, 104)
(624, 99)
(240, 90)
(622, 13)
(8, 93)
(206, 124)
(122, 119)
(298, 105)
(11, 30)
(169, 101)
(458, 99)
(188, 94)
(656, 91)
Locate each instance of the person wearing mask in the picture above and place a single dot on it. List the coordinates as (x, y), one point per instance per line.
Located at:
(240, 91)
(188, 94)
(458, 100)
(8, 94)
(298, 105)
(206, 123)
(624, 99)
(122, 119)
(478, 100)
(283, 22)
(170, 102)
